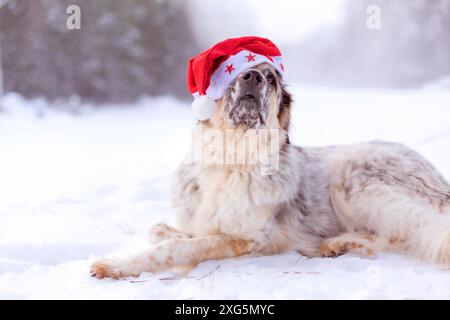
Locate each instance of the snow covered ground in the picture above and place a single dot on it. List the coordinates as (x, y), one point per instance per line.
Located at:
(78, 185)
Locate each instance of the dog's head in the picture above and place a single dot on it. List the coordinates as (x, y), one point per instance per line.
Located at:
(257, 98)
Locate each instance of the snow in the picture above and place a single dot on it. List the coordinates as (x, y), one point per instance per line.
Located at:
(78, 185)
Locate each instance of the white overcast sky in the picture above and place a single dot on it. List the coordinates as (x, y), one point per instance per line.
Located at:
(295, 19)
(284, 21)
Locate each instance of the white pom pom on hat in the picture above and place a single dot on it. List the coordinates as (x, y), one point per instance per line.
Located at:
(203, 107)
(211, 72)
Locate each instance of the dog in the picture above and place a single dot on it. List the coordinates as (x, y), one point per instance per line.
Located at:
(322, 202)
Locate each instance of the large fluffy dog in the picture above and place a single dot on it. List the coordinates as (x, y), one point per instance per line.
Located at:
(363, 198)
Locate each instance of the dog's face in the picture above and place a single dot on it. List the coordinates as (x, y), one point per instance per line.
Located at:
(256, 99)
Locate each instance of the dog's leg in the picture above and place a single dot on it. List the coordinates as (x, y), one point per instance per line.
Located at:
(172, 253)
(414, 226)
(395, 194)
(161, 232)
(364, 245)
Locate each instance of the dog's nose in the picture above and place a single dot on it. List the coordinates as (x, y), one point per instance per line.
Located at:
(252, 76)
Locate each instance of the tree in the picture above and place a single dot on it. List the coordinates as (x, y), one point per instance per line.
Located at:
(2, 87)
(124, 49)
(2, 90)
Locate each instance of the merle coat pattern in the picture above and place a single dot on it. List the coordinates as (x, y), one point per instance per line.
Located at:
(364, 198)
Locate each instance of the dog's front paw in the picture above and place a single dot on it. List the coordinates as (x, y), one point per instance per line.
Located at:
(109, 268)
(332, 248)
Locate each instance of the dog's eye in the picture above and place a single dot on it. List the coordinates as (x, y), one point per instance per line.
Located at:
(270, 78)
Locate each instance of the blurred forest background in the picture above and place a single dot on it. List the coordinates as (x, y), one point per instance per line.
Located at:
(123, 49)
(126, 49)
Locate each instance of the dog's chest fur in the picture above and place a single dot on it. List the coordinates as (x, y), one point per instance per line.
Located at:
(243, 203)
(230, 202)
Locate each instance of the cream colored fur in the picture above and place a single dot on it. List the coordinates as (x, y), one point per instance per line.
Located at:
(365, 198)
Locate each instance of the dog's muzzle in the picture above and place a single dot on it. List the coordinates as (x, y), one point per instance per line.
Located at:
(248, 105)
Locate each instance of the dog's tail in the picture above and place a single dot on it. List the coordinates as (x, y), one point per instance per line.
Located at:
(431, 241)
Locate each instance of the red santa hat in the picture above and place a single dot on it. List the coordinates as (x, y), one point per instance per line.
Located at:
(211, 72)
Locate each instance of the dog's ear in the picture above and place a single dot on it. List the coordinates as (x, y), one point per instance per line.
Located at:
(284, 115)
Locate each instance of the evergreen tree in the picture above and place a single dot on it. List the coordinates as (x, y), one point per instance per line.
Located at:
(124, 49)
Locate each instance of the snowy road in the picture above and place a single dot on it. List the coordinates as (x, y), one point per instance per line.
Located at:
(76, 186)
